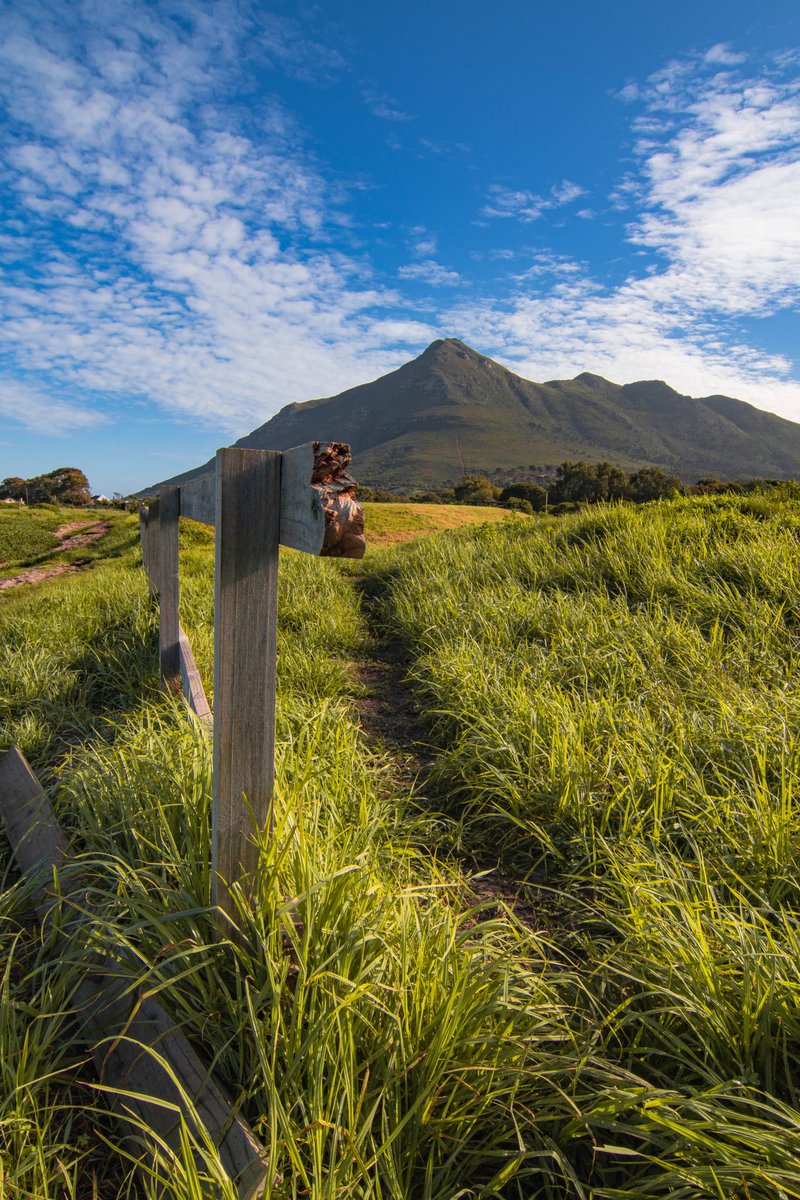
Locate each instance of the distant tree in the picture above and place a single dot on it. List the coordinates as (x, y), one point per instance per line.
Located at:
(65, 485)
(530, 492)
(576, 481)
(12, 488)
(651, 483)
(515, 504)
(610, 482)
(476, 489)
(370, 495)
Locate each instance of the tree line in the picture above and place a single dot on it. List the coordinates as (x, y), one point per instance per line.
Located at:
(575, 483)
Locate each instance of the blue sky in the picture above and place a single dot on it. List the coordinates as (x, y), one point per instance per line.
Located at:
(212, 209)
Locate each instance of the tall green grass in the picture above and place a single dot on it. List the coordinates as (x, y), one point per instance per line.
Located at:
(616, 704)
(383, 1039)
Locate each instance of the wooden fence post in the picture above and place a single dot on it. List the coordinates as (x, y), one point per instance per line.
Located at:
(153, 545)
(168, 624)
(247, 518)
(144, 517)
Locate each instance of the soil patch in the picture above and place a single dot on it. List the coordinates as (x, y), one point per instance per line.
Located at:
(92, 532)
(71, 537)
(36, 575)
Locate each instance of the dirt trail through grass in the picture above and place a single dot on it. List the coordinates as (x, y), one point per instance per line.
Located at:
(70, 537)
(394, 725)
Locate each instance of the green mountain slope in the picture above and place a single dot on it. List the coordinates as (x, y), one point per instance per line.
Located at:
(453, 410)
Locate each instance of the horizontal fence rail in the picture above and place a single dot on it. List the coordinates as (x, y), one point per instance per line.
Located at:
(151, 1074)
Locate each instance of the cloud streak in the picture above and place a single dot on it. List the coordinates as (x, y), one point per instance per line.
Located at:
(526, 206)
(715, 199)
(43, 413)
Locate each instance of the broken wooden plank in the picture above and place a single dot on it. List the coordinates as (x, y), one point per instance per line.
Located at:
(245, 636)
(319, 513)
(138, 1048)
(344, 516)
(191, 682)
(168, 587)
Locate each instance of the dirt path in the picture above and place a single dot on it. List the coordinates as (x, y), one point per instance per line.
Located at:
(92, 532)
(69, 539)
(392, 722)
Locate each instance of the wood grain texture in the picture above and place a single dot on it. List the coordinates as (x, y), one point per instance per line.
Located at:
(191, 682)
(245, 625)
(198, 499)
(319, 513)
(32, 830)
(168, 587)
(302, 514)
(136, 1045)
(153, 545)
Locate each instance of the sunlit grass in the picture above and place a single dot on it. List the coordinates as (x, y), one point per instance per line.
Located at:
(381, 1037)
(616, 704)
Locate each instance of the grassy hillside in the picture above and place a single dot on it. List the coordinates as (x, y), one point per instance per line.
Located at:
(611, 706)
(28, 537)
(26, 534)
(395, 524)
(615, 700)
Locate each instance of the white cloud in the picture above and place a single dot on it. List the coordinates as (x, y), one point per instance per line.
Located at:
(42, 413)
(182, 262)
(717, 199)
(528, 206)
(721, 196)
(724, 55)
(430, 272)
(382, 105)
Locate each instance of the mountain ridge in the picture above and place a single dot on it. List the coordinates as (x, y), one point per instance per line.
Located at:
(452, 410)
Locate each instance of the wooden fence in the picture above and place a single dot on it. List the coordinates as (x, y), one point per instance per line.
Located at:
(257, 500)
(151, 1074)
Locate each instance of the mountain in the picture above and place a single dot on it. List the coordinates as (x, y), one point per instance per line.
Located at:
(453, 410)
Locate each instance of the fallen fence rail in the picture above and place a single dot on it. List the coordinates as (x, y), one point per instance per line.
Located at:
(151, 1074)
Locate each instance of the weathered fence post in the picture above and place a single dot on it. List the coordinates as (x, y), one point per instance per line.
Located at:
(248, 507)
(167, 565)
(153, 545)
(257, 499)
(144, 543)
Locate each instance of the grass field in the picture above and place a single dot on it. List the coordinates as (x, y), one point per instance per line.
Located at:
(397, 524)
(616, 702)
(26, 534)
(612, 707)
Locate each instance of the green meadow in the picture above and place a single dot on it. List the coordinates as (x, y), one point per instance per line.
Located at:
(608, 705)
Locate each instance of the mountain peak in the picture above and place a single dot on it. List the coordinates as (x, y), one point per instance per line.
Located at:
(592, 381)
(453, 410)
(444, 348)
